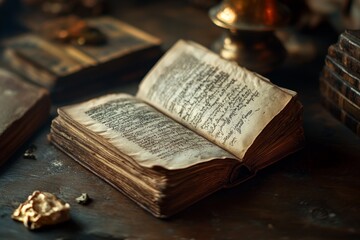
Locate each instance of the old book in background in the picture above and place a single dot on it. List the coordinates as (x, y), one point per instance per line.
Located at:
(340, 80)
(69, 70)
(339, 99)
(345, 76)
(198, 124)
(333, 80)
(24, 108)
(343, 116)
(350, 63)
(349, 43)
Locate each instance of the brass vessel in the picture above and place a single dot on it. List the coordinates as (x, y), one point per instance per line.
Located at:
(249, 38)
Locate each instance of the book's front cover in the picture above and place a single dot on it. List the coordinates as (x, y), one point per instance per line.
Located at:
(122, 39)
(18, 116)
(56, 65)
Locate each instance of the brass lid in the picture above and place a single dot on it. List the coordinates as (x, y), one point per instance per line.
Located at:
(255, 15)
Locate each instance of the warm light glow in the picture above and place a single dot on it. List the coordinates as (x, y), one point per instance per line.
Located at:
(227, 15)
(269, 14)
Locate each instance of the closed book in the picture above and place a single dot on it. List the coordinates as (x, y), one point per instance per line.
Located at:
(337, 98)
(65, 68)
(351, 64)
(24, 108)
(342, 86)
(349, 42)
(342, 72)
(340, 114)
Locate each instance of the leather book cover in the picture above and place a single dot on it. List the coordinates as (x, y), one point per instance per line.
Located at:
(349, 42)
(64, 67)
(23, 109)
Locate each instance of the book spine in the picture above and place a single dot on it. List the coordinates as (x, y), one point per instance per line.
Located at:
(239, 174)
(342, 86)
(347, 61)
(339, 100)
(342, 116)
(350, 44)
(335, 67)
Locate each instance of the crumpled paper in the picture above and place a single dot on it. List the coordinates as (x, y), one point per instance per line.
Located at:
(41, 209)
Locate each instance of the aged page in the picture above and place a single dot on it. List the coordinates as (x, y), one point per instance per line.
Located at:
(221, 101)
(143, 133)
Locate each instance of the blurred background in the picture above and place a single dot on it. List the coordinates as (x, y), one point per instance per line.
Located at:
(311, 27)
(306, 15)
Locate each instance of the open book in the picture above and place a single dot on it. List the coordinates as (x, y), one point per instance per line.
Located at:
(198, 123)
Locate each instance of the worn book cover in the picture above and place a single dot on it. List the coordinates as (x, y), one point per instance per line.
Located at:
(349, 42)
(342, 72)
(63, 68)
(336, 97)
(340, 80)
(342, 86)
(340, 114)
(351, 64)
(197, 124)
(24, 108)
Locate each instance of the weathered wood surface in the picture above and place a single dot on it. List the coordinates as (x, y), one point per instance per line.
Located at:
(313, 194)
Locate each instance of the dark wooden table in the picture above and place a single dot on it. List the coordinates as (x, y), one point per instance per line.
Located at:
(313, 194)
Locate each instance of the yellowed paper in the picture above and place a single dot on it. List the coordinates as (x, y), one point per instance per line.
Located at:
(144, 134)
(221, 101)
